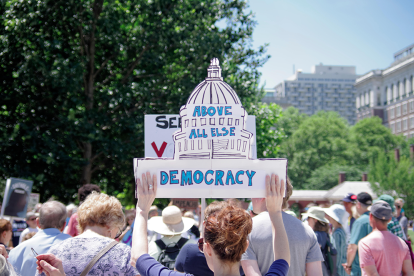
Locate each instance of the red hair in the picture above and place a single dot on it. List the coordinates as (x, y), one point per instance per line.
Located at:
(227, 233)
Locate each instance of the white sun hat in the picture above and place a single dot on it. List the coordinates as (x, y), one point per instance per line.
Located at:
(171, 222)
(317, 213)
(338, 213)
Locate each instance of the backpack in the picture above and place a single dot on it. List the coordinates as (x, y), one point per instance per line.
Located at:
(169, 252)
(329, 254)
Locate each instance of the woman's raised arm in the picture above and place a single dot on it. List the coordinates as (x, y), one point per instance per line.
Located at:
(147, 189)
(275, 191)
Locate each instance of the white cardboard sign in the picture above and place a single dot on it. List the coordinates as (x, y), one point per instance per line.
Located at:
(160, 128)
(212, 148)
(211, 178)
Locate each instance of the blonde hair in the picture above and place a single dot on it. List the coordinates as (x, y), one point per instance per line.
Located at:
(101, 210)
(28, 236)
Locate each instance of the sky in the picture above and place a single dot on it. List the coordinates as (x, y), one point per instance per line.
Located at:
(303, 33)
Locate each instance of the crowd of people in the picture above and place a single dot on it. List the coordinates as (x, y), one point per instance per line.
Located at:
(358, 236)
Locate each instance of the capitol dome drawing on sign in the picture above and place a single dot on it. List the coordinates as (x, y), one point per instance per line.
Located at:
(213, 91)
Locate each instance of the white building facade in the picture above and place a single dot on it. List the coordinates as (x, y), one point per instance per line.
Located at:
(388, 94)
(327, 87)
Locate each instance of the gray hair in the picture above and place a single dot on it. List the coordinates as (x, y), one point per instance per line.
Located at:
(52, 215)
(6, 269)
(71, 207)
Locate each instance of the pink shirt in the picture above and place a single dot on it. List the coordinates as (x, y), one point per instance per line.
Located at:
(384, 250)
(73, 222)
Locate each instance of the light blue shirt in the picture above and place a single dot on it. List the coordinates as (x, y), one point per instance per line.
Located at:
(22, 258)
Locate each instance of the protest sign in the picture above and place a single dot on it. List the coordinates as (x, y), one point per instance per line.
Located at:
(33, 200)
(212, 148)
(160, 128)
(16, 197)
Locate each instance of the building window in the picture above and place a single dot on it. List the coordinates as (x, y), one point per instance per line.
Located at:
(398, 127)
(412, 122)
(404, 108)
(392, 126)
(392, 115)
(412, 106)
(398, 111)
(404, 124)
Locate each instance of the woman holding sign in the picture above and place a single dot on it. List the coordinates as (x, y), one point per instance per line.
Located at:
(225, 237)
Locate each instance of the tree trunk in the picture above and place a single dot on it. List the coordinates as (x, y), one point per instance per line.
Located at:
(89, 89)
(87, 169)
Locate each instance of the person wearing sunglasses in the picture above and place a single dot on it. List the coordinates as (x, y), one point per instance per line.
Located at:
(31, 225)
(399, 203)
(225, 235)
(100, 221)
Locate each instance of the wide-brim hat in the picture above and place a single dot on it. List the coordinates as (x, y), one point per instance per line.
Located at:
(389, 199)
(171, 222)
(317, 213)
(338, 213)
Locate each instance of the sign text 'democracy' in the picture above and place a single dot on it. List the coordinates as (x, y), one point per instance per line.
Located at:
(211, 178)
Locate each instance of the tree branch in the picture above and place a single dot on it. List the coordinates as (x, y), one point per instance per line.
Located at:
(134, 64)
(79, 145)
(103, 65)
(96, 156)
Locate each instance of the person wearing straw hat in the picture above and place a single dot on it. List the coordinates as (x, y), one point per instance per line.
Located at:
(320, 225)
(170, 225)
(338, 216)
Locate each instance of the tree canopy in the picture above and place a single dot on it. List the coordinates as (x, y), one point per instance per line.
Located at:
(77, 78)
(322, 145)
(388, 176)
(319, 140)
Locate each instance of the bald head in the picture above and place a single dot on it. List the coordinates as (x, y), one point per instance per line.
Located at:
(52, 215)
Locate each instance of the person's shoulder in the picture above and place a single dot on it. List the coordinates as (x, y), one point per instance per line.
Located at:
(190, 247)
(363, 219)
(289, 220)
(123, 247)
(191, 241)
(63, 236)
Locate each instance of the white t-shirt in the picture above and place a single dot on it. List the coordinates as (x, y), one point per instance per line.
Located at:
(27, 231)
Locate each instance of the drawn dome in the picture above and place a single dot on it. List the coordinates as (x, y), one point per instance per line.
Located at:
(197, 138)
(213, 90)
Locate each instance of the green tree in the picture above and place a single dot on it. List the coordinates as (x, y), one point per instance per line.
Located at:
(326, 177)
(77, 78)
(387, 176)
(368, 137)
(320, 140)
(268, 136)
(288, 123)
(290, 120)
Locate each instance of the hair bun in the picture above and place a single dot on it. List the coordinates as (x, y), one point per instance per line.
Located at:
(227, 233)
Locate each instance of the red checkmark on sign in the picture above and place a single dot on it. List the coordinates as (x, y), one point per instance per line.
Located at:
(161, 150)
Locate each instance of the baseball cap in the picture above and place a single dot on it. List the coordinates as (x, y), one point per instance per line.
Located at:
(381, 210)
(364, 198)
(350, 197)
